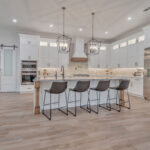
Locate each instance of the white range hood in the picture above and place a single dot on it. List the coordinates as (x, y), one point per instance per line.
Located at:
(79, 54)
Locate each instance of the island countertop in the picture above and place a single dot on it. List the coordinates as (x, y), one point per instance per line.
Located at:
(91, 77)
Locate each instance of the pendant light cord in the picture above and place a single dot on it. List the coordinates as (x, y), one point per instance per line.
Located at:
(63, 8)
(93, 25)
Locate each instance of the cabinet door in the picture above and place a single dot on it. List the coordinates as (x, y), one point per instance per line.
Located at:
(123, 57)
(103, 59)
(136, 86)
(44, 57)
(132, 56)
(63, 59)
(53, 57)
(140, 54)
(115, 58)
(93, 61)
(29, 48)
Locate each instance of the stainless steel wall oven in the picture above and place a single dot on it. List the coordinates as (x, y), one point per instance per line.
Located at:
(28, 72)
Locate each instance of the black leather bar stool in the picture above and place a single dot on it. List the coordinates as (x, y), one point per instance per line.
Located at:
(102, 86)
(124, 84)
(81, 86)
(56, 88)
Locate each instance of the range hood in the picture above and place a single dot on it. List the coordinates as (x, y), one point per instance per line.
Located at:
(79, 53)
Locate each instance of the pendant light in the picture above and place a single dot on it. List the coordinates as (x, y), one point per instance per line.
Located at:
(63, 41)
(93, 45)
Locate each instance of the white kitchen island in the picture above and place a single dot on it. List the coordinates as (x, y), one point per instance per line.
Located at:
(45, 83)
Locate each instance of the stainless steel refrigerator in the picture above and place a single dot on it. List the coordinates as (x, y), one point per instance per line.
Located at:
(147, 73)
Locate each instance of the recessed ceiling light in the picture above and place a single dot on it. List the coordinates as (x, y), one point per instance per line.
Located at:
(14, 20)
(51, 25)
(129, 18)
(106, 32)
(80, 29)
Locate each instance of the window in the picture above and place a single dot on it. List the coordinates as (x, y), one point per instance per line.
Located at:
(43, 43)
(124, 44)
(141, 38)
(116, 46)
(53, 44)
(133, 41)
(103, 48)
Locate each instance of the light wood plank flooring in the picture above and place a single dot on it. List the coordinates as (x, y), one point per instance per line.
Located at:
(20, 129)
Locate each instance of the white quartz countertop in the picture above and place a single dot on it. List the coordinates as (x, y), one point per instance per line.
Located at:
(91, 77)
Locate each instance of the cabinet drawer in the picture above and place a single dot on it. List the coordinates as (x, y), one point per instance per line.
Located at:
(26, 88)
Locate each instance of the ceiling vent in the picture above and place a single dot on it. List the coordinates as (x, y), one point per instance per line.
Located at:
(146, 9)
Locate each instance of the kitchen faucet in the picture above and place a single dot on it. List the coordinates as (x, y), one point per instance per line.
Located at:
(63, 71)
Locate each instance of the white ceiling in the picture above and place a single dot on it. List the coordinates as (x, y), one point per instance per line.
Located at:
(111, 16)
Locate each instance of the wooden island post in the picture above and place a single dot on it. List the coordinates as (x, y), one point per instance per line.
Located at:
(37, 106)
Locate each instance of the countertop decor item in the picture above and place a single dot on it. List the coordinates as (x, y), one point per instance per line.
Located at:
(63, 41)
(93, 45)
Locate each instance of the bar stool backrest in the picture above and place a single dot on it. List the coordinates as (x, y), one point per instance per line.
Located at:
(58, 87)
(103, 85)
(124, 84)
(82, 86)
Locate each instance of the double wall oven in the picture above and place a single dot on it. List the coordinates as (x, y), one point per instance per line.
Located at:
(28, 72)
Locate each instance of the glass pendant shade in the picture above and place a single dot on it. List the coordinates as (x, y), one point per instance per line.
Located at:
(63, 41)
(93, 45)
(63, 44)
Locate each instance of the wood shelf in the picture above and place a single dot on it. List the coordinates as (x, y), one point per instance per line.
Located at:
(78, 59)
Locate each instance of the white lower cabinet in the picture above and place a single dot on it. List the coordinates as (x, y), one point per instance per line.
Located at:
(136, 86)
(26, 88)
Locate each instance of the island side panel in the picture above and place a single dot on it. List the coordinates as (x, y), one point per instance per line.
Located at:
(36, 97)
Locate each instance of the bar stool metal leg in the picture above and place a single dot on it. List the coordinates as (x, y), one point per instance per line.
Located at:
(74, 114)
(97, 102)
(75, 104)
(59, 108)
(43, 112)
(50, 112)
(81, 106)
(44, 102)
(107, 107)
(109, 100)
(129, 104)
(129, 100)
(88, 102)
(97, 106)
(66, 103)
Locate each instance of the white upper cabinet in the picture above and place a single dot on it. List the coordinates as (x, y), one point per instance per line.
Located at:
(43, 60)
(63, 59)
(114, 58)
(103, 58)
(132, 56)
(140, 54)
(93, 61)
(100, 60)
(49, 56)
(128, 53)
(147, 36)
(29, 47)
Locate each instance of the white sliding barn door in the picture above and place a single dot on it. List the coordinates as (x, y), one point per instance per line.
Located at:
(8, 80)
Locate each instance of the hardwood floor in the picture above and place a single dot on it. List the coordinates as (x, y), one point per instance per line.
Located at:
(20, 129)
